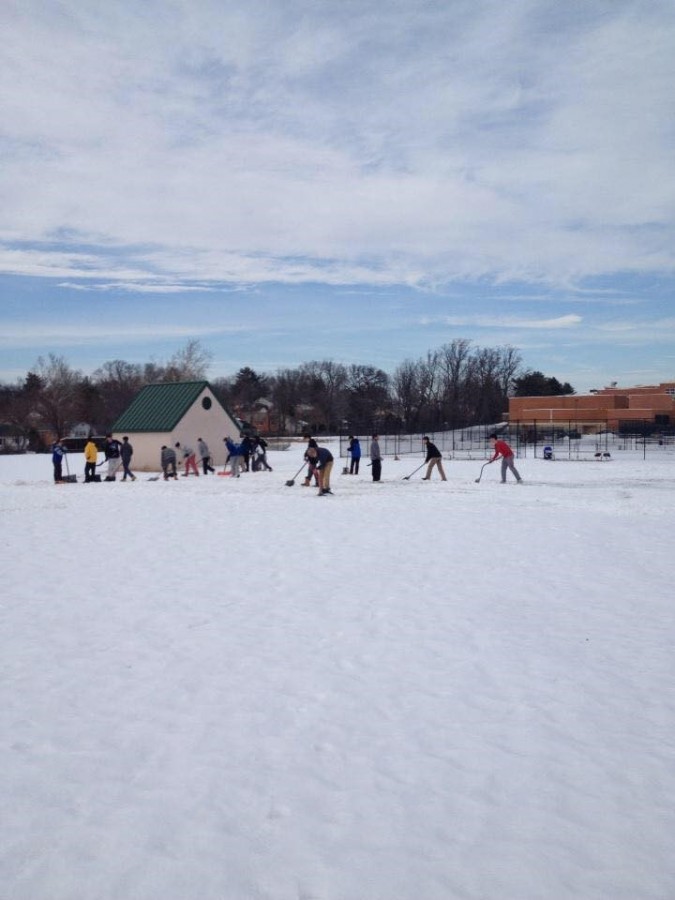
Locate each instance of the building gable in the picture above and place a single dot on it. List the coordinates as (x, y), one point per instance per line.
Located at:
(160, 407)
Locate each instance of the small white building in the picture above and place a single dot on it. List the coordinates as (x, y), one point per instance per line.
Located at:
(175, 411)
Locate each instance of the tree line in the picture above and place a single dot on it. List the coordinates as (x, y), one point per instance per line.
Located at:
(456, 385)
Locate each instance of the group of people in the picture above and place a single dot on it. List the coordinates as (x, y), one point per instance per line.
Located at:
(433, 459)
(320, 461)
(251, 452)
(116, 453)
(168, 459)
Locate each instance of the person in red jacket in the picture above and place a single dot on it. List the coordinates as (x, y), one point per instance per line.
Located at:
(501, 448)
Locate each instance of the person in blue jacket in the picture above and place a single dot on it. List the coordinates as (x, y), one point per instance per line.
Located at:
(354, 449)
(58, 452)
(235, 455)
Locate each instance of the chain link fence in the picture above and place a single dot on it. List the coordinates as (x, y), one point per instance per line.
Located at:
(571, 440)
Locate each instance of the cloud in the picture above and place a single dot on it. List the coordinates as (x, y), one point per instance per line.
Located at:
(506, 322)
(74, 335)
(333, 143)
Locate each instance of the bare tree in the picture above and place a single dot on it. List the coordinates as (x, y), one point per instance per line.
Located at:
(57, 400)
(117, 383)
(326, 384)
(412, 386)
(288, 387)
(368, 396)
(191, 363)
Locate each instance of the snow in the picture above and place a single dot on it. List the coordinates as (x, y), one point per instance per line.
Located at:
(230, 689)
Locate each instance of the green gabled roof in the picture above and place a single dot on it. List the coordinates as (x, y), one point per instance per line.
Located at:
(160, 407)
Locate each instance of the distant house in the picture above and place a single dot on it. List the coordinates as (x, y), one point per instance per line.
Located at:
(179, 411)
(12, 439)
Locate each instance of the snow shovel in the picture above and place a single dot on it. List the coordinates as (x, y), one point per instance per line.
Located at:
(291, 481)
(68, 478)
(408, 477)
(481, 470)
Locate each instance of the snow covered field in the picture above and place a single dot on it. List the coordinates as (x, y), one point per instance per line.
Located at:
(235, 690)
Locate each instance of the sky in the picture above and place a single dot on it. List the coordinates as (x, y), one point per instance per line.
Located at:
(342, 705)
(349, 180)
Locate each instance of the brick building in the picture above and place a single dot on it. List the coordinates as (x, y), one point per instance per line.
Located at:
(612, 408)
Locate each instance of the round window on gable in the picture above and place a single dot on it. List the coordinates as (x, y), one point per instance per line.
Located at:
(206, 402)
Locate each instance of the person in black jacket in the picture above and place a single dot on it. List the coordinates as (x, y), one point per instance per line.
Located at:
(376, 457)
(112, 448)
(126, 452)
(246, 446)
(433, 459)
(312, 444)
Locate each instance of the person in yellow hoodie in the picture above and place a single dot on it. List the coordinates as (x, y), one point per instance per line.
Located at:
(90, 457)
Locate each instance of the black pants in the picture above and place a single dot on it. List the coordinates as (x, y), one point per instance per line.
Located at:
(206, 463)
(377, 469)
(354, 465)
(89, 471)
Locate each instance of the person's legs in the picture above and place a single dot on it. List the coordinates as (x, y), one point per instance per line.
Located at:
(325, 479)
(377, 469)
(512, 466)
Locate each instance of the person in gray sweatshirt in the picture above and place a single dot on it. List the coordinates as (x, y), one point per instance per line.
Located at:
(168, 461)
(204, 455)
(376, 457)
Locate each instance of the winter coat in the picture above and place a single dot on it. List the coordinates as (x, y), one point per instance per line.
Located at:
(203, 450)
(232, 448)
(432, 452)
(58, 452)
(323, 456)
(126, 451)
(355, 448)
(168, 456)
(501, 449)
(375, 450)
(112, 449)
(90, 452)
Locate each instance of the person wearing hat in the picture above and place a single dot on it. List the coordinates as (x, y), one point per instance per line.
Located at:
(501, 448)
(434, 458)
